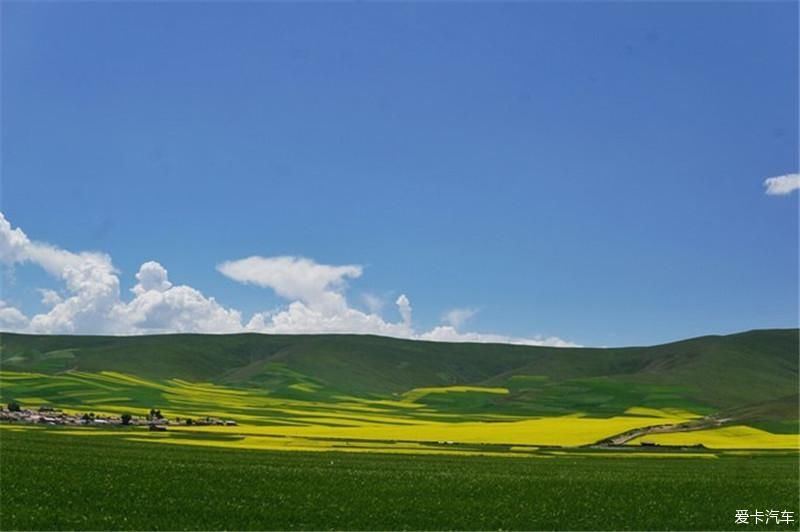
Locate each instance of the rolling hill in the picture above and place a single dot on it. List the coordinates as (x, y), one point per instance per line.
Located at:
(752, 376)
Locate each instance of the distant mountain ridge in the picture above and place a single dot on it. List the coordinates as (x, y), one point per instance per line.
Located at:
(754, 373)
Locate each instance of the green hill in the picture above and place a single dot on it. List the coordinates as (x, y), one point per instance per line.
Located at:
(752, 374)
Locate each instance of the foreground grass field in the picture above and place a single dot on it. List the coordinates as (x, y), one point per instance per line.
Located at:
(67, 482)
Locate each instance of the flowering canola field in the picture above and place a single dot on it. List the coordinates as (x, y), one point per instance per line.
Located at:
(734, 437)
(408, 423)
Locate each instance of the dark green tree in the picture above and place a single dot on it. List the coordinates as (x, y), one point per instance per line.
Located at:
(126, 418)
(14, 406)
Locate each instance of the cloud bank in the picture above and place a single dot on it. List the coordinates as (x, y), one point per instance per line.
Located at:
(782, 185)
(90, 301)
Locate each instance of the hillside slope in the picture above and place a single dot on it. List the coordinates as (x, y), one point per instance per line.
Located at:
(755, 372)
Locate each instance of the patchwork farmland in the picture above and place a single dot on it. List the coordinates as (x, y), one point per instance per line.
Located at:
(368, 407)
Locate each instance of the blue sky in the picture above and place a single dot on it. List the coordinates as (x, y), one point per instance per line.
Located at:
(590, 172)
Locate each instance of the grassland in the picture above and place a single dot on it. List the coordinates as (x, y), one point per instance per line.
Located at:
(703, 374)
(391, 434)
(291, 389)
(69, 482)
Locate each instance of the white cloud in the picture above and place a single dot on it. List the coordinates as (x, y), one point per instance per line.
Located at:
(315, 292)
(782, 185)
(151, 276)
(374, 303)
(457, 316)
(50, 298)
(90, 301)
(404, 307)
(295, 278)
(301, 318)
(446, 333)
(161, 307)
(13, 243)
(11, 318)
(93, 288)
(16, 247)
(89, 278)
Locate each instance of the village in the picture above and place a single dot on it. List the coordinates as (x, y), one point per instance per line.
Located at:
(49, 415)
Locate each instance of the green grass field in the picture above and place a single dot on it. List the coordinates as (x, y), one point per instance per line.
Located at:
(63, 482)
(395, 434)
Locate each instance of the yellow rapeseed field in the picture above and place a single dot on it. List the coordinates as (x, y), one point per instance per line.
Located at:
(404, 424)
(561, 430)
(735, 437)
(418, 393)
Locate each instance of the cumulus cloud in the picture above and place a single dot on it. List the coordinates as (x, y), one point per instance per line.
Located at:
(455, 317)
(89, 301)
(50, 298)
(93, 288)
(11, 318)
(316, 298)
(13, 243)
(152, 277)
(782, 185)
(301, 318)
(404, 307)
(88, 277)
(92, 304)
(319, 286)
(161, 307)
